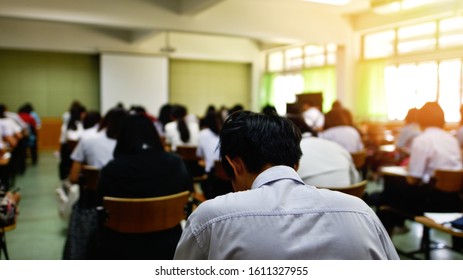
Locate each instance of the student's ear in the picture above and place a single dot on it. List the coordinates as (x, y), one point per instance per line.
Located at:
(236, 164)
(296, 166)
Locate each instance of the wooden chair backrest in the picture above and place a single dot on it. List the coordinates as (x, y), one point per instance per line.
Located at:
(187, 152)
(357, 189)
(449, 180)
(359, 158)
(91, 177)
(142, 215)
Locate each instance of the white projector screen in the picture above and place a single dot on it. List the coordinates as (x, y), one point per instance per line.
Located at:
(134, 80)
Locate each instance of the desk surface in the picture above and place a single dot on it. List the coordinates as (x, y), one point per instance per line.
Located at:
(394, 170)
(430, 223)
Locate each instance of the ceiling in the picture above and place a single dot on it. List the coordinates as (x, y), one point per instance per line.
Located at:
(268, 22)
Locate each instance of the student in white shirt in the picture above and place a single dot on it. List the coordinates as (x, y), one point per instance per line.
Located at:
(272, 214)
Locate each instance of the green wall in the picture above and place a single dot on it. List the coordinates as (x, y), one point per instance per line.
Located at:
(197, 84)
(50, 81)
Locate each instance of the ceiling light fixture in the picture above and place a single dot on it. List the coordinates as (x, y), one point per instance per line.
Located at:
(167, 47)
(331, 2)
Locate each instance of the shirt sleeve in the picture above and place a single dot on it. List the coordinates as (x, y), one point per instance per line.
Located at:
(78, 152)
(188, 247)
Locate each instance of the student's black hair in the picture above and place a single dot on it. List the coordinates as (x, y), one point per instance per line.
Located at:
(113, 122)
(91, 119)
(137, 134)
(179, 113)
(212, 121)
(76, 115)
(259, 139)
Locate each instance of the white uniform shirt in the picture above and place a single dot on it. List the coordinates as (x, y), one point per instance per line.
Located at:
(173, 136)
(325, 163)
(282, 218)
(406, 136)
(314, 118)
(96, 151)
(207, 149)
(344, 135)
(433, 149)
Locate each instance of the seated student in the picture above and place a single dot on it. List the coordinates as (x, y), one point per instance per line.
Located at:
(323, 163)
(408, 132)
(208, 150)
(141, 168)
(272, 214)
(433, 149)
(97, 149)
(337, 129)
(181, 131)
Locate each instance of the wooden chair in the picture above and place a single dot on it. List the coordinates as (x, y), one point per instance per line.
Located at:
(357, 189)
(90, 177)
(449, 180)
(143, 215)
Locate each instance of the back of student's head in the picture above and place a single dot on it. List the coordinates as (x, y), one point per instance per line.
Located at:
(259, 139)
(137, 135)
(334, 118)
(91, 119)
(112, 122)
(212, 121)
(412, 116)
(431, 115)
(179, 113)
(76, 113)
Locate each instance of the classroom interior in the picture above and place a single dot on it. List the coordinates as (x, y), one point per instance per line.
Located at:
(379, 58)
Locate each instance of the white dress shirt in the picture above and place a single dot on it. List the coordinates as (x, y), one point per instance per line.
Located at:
(282, 218)
(344, 135)
(433, 149)
(173, 135)
(207, 149)
(95, 151)
(325, 163)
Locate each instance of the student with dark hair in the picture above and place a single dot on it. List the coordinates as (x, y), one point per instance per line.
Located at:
(71, 129)
(208, 150)
(141, 168)
(338, 129)
(181, 131)
(97, 150)
(273, 214)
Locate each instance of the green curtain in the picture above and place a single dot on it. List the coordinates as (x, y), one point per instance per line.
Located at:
(321, 79)
(266, 89)
(370, 98)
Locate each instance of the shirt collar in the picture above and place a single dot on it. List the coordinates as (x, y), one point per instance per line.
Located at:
(276, 173)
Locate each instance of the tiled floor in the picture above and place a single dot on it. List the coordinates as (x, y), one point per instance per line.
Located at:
(40, 232)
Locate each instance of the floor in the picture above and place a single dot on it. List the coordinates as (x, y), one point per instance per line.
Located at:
(40, 232)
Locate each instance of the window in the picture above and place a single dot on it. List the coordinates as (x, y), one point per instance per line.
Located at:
(285, 89)
(379, 44)
(298, 58)
(413, 84)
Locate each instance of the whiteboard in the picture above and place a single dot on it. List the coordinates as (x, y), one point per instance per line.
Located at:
(133, 79)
